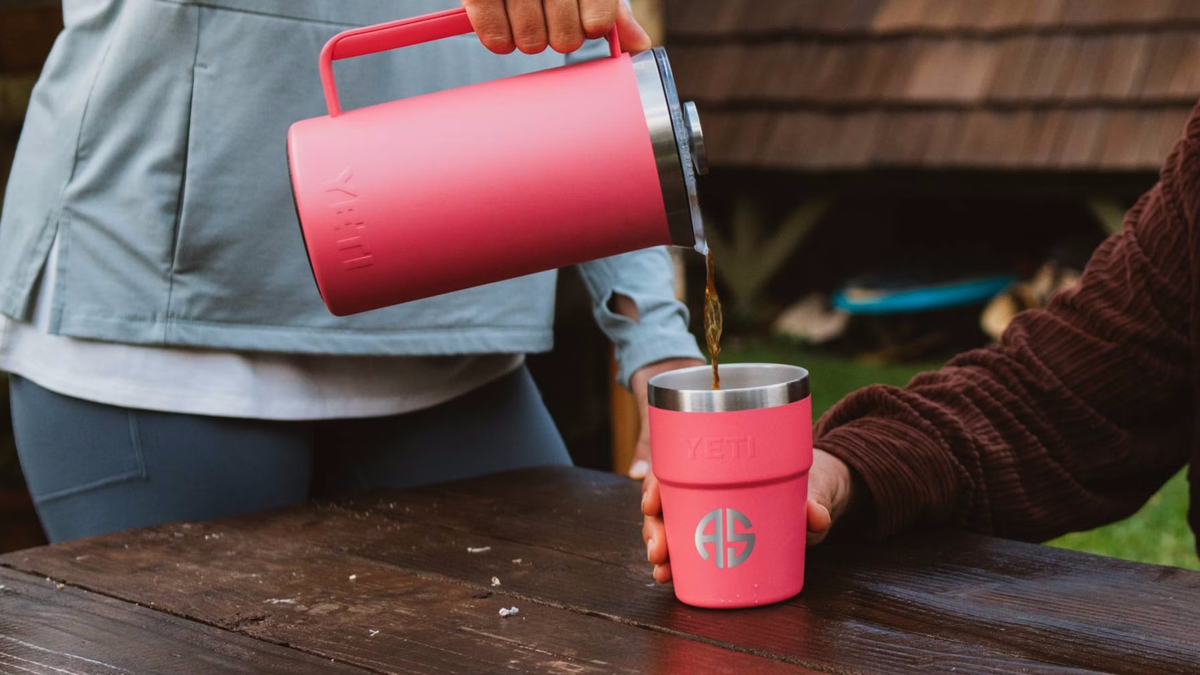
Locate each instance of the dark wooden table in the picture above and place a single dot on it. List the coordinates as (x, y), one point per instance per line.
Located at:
(413, 582)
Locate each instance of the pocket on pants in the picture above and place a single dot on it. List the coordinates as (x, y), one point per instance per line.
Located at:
(68, 446)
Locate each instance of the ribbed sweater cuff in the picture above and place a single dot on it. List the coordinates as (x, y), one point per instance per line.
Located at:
(910, 479)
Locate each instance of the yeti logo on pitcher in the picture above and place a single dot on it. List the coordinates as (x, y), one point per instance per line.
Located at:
(724, 535)
(352, 246)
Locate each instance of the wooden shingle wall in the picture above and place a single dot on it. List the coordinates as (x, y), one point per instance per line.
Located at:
(1072, 85)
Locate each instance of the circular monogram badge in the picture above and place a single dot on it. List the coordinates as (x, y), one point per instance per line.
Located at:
(720, 529)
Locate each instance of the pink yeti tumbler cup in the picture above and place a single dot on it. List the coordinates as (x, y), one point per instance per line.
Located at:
(733, 468)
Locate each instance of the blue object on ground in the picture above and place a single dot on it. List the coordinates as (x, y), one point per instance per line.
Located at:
(903, 300)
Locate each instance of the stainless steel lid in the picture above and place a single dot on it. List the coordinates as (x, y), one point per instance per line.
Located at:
(679, 150)
(744, 386)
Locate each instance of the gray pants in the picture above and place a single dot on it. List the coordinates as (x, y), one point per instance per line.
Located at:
(95, 468)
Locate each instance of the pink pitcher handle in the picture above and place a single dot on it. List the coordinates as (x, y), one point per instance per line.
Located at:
(398, 34)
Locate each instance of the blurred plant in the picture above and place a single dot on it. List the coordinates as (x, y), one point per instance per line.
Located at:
(752, 256)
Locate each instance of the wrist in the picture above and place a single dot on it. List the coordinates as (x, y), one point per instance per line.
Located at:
(853, 513)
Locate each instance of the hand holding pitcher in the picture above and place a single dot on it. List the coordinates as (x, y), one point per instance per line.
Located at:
(531, 25)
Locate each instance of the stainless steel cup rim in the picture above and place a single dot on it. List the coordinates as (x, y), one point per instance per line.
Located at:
(744, 386)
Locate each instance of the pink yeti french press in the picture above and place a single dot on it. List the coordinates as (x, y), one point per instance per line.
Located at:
(459, 188)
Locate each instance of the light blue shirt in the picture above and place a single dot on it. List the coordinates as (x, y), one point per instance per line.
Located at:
(154, 150)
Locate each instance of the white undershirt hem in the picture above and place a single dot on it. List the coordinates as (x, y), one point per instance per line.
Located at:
(250, 385)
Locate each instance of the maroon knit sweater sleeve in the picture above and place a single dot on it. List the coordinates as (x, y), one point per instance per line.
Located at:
(1079, 414)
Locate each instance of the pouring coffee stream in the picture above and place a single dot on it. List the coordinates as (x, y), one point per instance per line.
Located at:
(713, 319)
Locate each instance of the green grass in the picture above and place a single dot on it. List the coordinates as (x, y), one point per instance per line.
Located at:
(1156, 534)
(831, 377)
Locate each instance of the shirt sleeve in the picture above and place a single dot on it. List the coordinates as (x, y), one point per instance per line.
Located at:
(1079, 414)
(661, 332)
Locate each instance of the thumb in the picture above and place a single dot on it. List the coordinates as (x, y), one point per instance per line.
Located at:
(634, 38)
(641, 457)
(820, 514)
(828, 489)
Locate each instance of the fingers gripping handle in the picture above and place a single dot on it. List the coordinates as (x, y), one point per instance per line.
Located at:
(396, 35)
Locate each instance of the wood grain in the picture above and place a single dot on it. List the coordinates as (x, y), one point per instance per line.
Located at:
(987, 64)
(566, 549)
(1036, 602)
(47, 630)
(297, 578)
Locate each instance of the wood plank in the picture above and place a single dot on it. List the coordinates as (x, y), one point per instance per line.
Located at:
(573, 535)
(895, 16)
(749, 130)
(951, 71)
(847, 60)
(966, 16)
(1081, 140)
(46, 630)
(941, 15)
(1020, 70)
(1057, 63)
(782, 60)
(803, 17)
(1162, 129)
(1186, 80)
(295, 579)
(894, 86)
(865, 84)
(857, 136)
(706, 74)
(1167, 133)
(812, 145)
(1142, 12)
(1164, 63)
(716, 19)
(749, 70)
(1091, 603)
(779, 145)
(846, 16)
(720, 128)
(1014, 61)
(971, 603)
(1009, 14)
(1011, 149)
(1046, 132)
(947, 128)
(1048, 13)
(699, 17)
(1184, 10)
(1086, 76)
(434, 620)
(751, 19)
(1125, 64)
(761, 17)
(824, 73)
(904, 140)
(794, 81)
(1124, 139)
